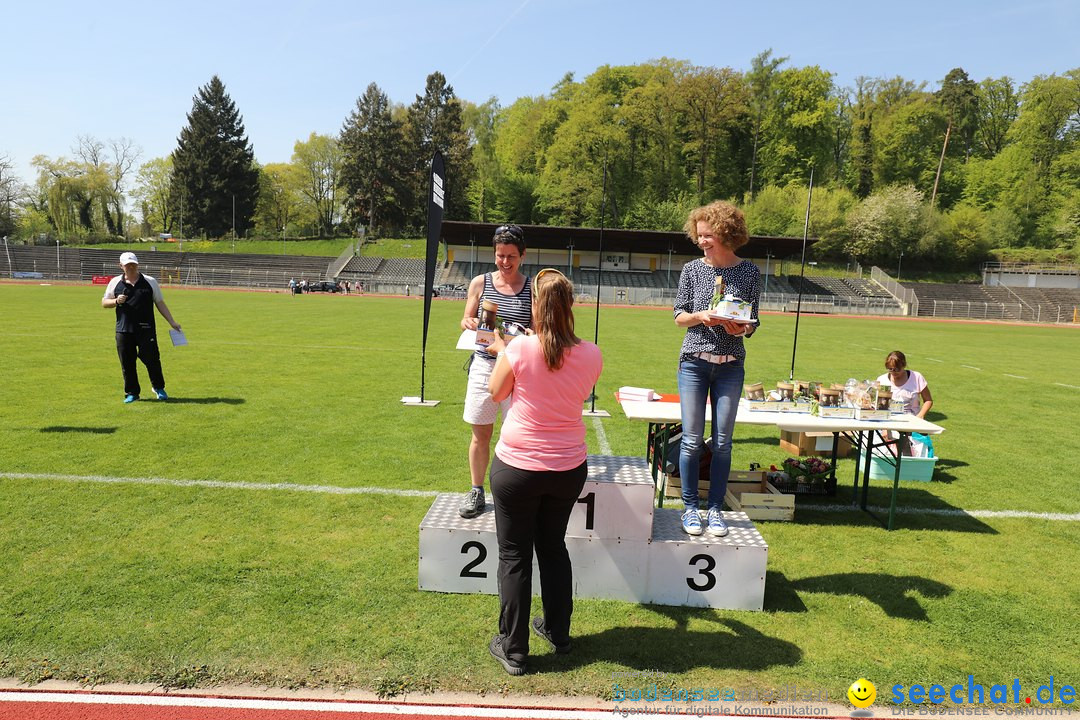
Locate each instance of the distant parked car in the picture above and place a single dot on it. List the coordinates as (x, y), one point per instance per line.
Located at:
(322, 286)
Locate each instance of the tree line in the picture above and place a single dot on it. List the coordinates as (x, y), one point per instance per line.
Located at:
(947, 176)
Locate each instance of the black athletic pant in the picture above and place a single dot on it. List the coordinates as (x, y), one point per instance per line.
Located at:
(141, 345)
(532, 509)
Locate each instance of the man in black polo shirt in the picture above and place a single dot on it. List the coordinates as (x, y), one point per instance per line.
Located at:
(134, 296)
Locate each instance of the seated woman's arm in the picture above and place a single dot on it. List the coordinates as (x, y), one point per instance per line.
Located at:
(927, 402)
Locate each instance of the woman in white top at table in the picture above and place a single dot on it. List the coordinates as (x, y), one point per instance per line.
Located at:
(908, 386)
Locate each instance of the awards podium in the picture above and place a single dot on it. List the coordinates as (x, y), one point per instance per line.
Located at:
(620, 545)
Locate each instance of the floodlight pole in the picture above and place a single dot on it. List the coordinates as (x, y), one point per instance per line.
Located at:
(599, 277)
(802, 274)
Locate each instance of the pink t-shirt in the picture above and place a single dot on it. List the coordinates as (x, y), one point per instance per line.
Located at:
(909, 392)
(544, 429)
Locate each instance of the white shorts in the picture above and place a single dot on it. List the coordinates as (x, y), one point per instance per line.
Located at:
(480, 409)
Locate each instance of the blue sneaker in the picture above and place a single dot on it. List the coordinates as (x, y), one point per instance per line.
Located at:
(161, 395)
(130, 398)
(691, 521)
(717, 526)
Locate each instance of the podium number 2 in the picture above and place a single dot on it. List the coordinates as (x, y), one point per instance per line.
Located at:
(590, 509)
(481, 555)
(710, 581)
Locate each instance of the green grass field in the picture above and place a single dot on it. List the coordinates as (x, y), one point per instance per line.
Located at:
(197, 586)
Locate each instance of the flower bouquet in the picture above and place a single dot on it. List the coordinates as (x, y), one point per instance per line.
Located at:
(808, 474)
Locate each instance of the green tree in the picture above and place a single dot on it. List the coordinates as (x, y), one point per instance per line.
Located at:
(374, 169)
(10, 189)
(481, 124)
(798, 133)
(214, 166)
(435, 122)
(281, 200)
(999, 106)
(318, 161)
(715, 103)
(763, 69)
(885, 224)
(960, 102)
(153, 190)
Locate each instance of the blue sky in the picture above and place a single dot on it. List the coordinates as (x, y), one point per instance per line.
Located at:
(115, 69)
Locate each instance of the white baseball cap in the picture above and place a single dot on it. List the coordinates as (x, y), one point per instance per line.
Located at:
(128, 258)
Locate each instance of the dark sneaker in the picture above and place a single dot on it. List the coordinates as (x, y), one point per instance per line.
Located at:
(540, 629)
(161, 394)
(495, 647)
(473, 504)
(130, 398)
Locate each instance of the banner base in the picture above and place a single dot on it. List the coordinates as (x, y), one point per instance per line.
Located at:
(413, 401)
(595, 413)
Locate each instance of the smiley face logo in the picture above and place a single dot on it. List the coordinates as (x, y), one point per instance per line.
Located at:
(862, 693)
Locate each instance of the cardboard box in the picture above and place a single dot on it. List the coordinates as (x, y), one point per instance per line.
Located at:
(911, 468)
(812, 443)
(760, 500)
(673, 486)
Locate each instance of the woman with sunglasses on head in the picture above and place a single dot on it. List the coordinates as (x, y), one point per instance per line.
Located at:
(711, 359)
(512, 292)
(539, 467)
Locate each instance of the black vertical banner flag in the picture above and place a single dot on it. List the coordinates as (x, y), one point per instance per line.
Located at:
(434, 232)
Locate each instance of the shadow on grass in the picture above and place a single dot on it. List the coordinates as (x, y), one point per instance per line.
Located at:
(942, 467)
(916, 509)
(205, 401)
(894, 594)
(74, 429)
(732, 646)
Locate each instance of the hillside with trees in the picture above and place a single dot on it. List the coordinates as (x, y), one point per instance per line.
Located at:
(949, 176)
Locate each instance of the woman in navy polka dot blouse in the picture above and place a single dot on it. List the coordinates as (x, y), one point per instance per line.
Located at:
(711, 359)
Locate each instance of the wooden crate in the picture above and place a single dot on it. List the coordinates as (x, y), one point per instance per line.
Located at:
(760, 501)
(673, 488)
(812, 443)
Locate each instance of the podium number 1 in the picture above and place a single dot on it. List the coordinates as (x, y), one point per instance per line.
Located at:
(481, 555)
(590, 509)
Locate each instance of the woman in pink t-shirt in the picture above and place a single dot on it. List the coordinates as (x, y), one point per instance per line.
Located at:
(539, 467)
(910, 388)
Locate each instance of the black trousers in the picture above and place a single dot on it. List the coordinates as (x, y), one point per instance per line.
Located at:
(141, 345)
(532, 509)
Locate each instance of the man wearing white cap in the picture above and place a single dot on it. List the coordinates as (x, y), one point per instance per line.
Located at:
(134, 296)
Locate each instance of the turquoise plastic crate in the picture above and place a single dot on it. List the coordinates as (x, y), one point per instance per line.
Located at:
(920, 469)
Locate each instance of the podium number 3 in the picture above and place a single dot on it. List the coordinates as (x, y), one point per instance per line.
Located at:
(481, 555)
(710, 579)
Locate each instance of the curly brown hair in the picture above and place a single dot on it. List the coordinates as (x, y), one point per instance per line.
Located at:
(727, 221)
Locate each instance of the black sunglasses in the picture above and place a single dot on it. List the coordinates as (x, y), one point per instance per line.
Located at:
(510, 230)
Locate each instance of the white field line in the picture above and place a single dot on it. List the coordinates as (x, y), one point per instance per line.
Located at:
(1018, 377)
(311, 706)
(601, 437)
(935, 360)
(334, 490)
(971, 367)
(223, 485)
(955, 512)
(1072, 387)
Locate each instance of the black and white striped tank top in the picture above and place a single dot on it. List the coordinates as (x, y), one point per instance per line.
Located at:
(515, 308)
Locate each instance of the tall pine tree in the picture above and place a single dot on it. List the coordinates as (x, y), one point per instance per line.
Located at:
(435, 123)
(373, 168)
(215, 176)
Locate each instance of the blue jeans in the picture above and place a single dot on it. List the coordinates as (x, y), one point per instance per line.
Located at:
(699, 380)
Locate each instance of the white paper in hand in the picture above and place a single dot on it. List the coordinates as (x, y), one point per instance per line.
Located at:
(178, 337)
